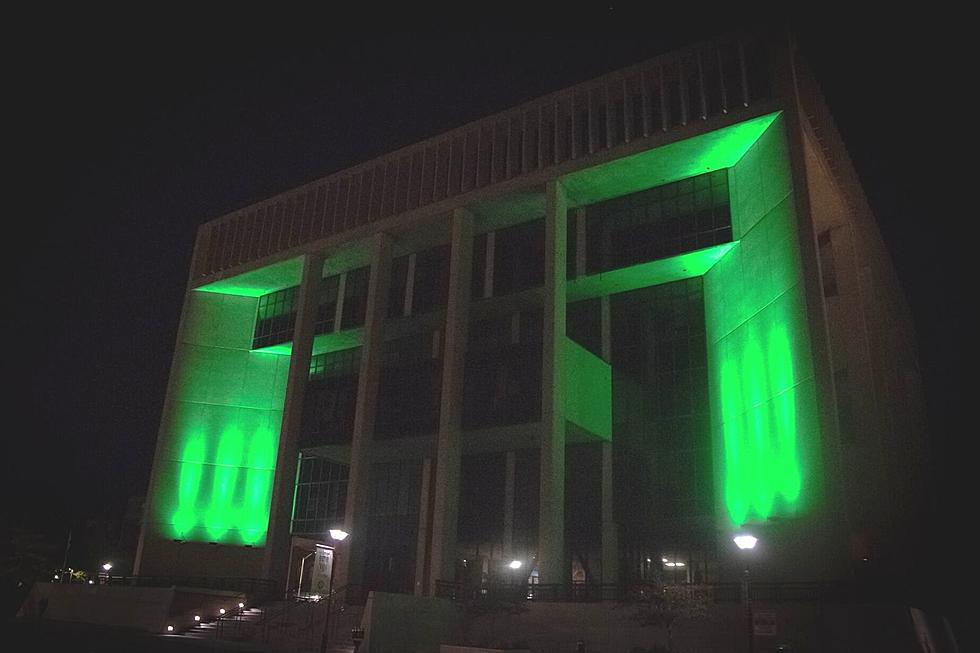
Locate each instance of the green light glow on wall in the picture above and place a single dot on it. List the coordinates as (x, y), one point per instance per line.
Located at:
(715, 150)
(764, 423)
(220, 431)
(588, 392)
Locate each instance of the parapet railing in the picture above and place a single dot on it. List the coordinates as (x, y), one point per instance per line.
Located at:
(660, 95)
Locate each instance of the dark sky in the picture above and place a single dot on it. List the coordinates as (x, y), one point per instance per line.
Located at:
(124, 145)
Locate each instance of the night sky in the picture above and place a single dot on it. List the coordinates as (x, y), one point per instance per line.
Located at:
(124, 145)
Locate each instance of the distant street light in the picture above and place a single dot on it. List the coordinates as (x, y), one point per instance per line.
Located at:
(515, 564)
(107, 566)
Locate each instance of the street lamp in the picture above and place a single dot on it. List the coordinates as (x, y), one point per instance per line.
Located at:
(107, 566)
(337, 535)
(746, 542)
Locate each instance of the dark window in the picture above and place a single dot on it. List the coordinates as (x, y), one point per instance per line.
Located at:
(399, 285)
(477, 282)
(502, 380)
(276, 318)
(410, 388)
(326, 308)
(321, 495)
(481, 498)
(355, 298)
(661, 422)
(659, 222)
(431, 287)
(584, 324)
(331, 394)
(518, 258)
(392, 526)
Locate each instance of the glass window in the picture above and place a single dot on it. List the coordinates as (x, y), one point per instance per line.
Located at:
(659, 222)
(355, 298)
(326, 308)
(276, 318)
(431, 287)
(518, 257)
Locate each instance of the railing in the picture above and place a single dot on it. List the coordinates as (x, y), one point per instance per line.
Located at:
(256, 589)
(301, 621)
(656, 96)
(820, 592)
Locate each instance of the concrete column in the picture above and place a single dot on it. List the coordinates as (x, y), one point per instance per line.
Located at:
(580, 244)
(350, 553)
(448, 448)
(510, 475)
(488, 268)
(425, 531)
(409, 285)
(338, 313)
(610, 530)
(551, 524)
(278, 540)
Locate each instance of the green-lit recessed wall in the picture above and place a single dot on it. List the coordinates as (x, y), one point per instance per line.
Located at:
(765, 430)
(220, 430)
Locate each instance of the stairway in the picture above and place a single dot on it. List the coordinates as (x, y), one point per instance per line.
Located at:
(276, 625)
(236, 627)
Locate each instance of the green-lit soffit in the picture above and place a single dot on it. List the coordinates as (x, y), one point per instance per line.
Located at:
(220, 432)
(765, 428)
(262, 281)
(714, 150)
(323, 343)
(644, 275)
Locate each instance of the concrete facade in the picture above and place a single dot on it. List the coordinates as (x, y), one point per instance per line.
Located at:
(709, 115)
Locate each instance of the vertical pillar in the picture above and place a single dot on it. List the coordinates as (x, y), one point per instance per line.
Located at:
(448, 448)
(488, 268)
(350, 555)
(425, 533)
(278, 540)
(510, 475)
(551, 524)
(610, 532)
(580, 243)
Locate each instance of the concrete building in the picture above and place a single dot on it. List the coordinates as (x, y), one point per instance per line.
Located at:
(598, 334)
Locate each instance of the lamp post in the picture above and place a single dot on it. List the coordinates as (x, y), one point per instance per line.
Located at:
(337, 535)
(746, 542)
(107, 566)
